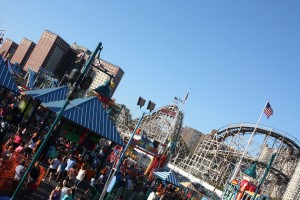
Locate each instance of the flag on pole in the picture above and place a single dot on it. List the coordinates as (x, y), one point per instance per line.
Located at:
(185, 98)
(268, 110)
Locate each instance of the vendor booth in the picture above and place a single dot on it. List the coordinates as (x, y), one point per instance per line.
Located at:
(88, 113)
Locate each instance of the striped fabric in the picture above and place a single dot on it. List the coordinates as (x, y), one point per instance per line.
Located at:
(89, 113)
(6, 79)
(168, 177)
(49, 94)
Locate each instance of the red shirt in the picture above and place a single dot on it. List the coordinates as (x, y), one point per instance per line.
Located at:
(17, 139)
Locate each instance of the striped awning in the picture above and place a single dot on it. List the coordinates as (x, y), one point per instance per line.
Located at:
(49, 94)
(6, 79)
(168, 177)
(89, 113)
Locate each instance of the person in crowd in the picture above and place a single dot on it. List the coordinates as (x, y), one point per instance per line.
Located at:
(32, 180)
(53, 153)
(17, 139)
(54, 163)
(153, 195)
(61, 169)
(56, 193)
(19, 172)
(71, 174)
(29, 149)
(35, 172)
(102, 180)
(35, 137)
(71, 162)
(20, 148)
(68, 196)
(119, 179)
(80, 176)
(64, 189)
(92, 184)
(8, 153)
(128, 185)
(37, 145)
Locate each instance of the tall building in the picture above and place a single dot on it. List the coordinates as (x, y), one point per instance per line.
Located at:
(48, 54)
(8, 48)
(100, 78)
(23, 52)
(292, 191)
(70, 61)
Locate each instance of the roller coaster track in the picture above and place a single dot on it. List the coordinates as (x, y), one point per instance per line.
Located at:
(234, 129)
(236, 155)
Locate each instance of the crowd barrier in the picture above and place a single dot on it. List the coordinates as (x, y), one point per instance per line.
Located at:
(7, 172)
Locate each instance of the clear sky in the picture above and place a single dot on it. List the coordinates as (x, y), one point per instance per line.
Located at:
(232, 55)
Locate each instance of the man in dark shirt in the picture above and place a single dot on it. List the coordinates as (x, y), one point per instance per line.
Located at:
(32, 180)
(35, 173)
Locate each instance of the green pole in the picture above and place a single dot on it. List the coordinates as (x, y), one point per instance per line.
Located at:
(57, 119)
(265, 175)
(112, 174)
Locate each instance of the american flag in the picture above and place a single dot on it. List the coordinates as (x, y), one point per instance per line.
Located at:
(268, 110)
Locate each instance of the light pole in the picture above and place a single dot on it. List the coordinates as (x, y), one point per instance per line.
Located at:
(141, 103)
(1, 36)
(57, 119)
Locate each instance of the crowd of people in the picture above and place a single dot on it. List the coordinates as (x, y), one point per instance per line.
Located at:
(64, 163)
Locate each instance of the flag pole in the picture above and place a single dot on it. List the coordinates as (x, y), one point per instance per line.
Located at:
(185, 98)
(237, 167)
(175, 117)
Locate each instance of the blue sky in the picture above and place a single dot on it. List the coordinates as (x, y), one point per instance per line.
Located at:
(232, 55)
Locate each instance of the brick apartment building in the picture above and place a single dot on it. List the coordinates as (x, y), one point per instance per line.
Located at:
(8, 48)
(48, 53)
(23, 52)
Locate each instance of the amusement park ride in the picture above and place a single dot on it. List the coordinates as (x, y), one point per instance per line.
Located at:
(272, 155)
(215, 158)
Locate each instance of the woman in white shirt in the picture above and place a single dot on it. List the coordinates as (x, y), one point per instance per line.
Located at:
(80, 176)
(54, 163)
(29, 148)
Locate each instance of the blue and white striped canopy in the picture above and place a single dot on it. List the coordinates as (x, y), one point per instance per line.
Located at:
(6, 79)
(49, 94)
(168, 177)
(89, 113)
